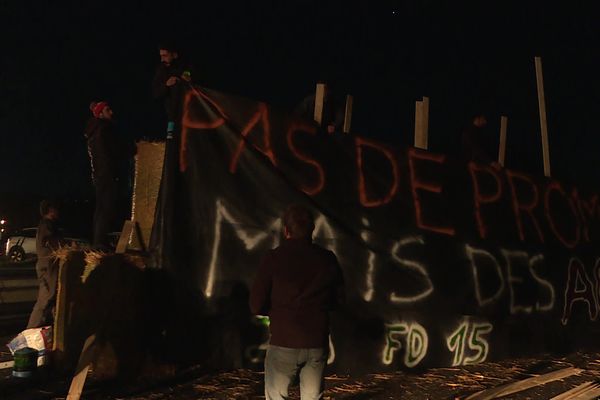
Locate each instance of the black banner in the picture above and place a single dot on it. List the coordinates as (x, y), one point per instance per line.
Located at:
(446, 263)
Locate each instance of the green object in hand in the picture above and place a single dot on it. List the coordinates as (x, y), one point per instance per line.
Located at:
(263, 320)
(187, 74)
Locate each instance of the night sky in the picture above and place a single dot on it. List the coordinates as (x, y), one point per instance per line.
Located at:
(59, 56)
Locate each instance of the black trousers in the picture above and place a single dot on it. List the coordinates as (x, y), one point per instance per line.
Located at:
(107, 194)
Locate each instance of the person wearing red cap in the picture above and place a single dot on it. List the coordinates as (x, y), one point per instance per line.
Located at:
(101, 110)
(108, 154)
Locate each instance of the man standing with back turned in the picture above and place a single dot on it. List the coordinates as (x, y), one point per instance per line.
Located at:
(297, 284)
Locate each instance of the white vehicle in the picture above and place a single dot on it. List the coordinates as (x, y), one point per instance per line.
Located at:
(22, 243)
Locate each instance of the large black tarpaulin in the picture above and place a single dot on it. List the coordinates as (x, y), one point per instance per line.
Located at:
(445, 262)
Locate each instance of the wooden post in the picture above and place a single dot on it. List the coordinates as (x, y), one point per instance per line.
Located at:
(348, 114)
(60, 321)
(502, 144)
(419, 141)
(124, 238)
(425, 124)
(418, 122)
(542, 107)
(319, 100)
(139, 236)
(88, 354)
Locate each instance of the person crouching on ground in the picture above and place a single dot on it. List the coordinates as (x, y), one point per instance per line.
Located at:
(296, 285)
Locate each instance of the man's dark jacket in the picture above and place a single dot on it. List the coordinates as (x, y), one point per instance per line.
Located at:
(109, 153)
(297, 284)
(172, 96)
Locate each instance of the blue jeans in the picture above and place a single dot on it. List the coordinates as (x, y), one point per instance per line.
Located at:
(283, 363)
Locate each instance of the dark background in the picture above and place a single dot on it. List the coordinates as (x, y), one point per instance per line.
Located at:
(59, 56)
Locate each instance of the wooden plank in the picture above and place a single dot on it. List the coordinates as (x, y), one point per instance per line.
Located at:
(85, 361)
(425, 124)
(77, 383)
(348, 114)
(140, 236)
(584, 388)
(524, 384)
(60, 318)
(502, 143)
(319, 100)
(542, 108)
(124, 238)
(590, 394)
(418, 123)
(7, 364)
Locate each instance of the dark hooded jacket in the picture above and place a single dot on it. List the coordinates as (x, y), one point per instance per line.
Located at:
(170, 95)
(108, 152)
(296, 285)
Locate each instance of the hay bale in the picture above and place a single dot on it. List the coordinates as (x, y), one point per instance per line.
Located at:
(143, 318)
(102, 293)
(148, 172)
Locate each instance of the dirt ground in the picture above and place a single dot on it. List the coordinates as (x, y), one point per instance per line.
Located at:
(439, 383)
